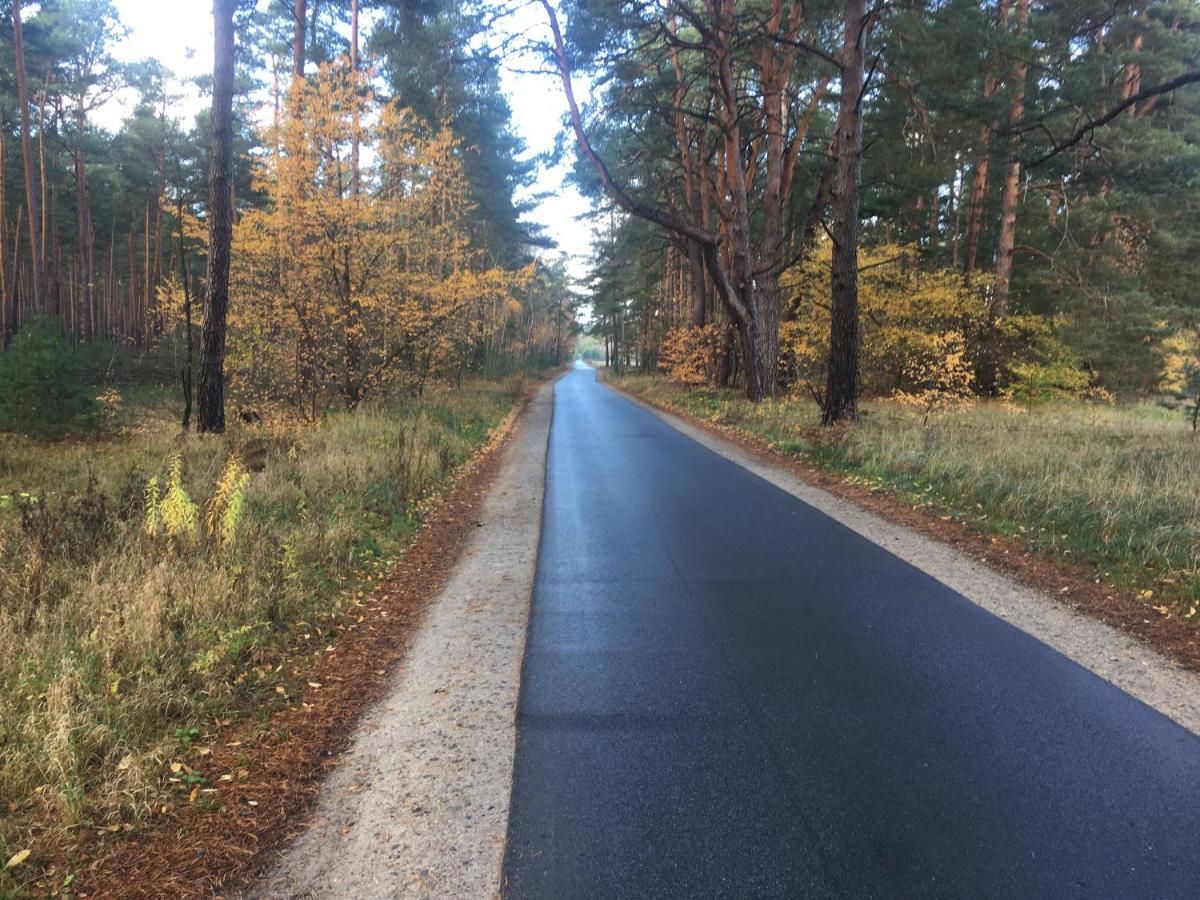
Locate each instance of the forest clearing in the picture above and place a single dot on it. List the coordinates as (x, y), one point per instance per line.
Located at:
(307, 309)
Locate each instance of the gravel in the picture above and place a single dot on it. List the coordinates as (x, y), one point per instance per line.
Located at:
(419, 805)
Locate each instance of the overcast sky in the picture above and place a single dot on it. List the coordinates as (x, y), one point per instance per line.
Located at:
(180, 35)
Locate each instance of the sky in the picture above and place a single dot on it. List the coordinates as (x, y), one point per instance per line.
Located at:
(180, 35)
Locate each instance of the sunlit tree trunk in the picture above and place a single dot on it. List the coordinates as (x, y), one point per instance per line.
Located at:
(982, 165)
(1008, 215)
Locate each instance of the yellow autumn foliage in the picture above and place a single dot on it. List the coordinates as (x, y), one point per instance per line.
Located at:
(922, 331)
(339, 290)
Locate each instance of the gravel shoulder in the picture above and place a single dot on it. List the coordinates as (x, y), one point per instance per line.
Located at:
(1115, 656)
(418, 806)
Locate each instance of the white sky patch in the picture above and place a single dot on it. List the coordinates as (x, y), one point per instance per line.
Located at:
(180, 35)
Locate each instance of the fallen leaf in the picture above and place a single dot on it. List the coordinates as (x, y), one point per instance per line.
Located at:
(17, 858)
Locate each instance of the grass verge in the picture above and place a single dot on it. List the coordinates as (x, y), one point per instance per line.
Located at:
(1114, 490)
(121, 651)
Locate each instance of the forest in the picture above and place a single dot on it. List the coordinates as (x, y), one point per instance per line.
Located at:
(349, 185)
(244, 354)
(1011, 185)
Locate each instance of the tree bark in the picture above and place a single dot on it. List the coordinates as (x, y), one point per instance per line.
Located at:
(354, 140)
(86, 261)
(842, 376)
(211, 393)
(982, 165)
(4, 280)
(185, 281)
(1008, 216)
(298, 13)
(31, 205)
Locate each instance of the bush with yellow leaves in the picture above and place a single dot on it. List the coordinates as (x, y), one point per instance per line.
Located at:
(908, 314)
(690, 355)
(227, 504)
(940, 378)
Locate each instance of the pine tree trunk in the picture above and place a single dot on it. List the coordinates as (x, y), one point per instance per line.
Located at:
(354, 140)
(186, 374)
(27, 151)
(298, 38)
(211, 393)
(4, 280)
(986, 376)
(982, 166)
(841, 387)
(84, 231)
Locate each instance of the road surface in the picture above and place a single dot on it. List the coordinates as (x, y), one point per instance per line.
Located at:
(727, 694)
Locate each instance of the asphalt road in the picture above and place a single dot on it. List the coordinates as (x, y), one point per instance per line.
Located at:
(728, 694)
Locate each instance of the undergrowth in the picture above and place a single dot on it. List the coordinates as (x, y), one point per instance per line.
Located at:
(146, 576)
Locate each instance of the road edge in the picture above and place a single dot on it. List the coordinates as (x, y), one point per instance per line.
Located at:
(419, 803)
(1117, 657)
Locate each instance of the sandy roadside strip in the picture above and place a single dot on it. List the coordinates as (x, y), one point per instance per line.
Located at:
(1116, 657)
(419, 805)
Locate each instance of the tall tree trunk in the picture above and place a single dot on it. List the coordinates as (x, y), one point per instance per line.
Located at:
(1008, 215)
(691, 193)
(150, 300)
(84, 230)
(186, 281)
(956, 196)
(4, 281)
(298, 11)
(47, 202)
(31, 205)
(211, 394)
(841, 387)
(354, 139)
(983, 164)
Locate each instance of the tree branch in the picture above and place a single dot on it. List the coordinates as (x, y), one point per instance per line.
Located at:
(1164, 88)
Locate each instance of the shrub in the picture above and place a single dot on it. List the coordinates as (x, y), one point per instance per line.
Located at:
(690, 355)
(942, 379)
(47, 387)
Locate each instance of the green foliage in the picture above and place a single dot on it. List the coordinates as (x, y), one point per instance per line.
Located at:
(47, 387)
(174, 513)
(1057, 377)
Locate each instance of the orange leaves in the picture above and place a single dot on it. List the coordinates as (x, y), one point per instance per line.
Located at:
(338, 292)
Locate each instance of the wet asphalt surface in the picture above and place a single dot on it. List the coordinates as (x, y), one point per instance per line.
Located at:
(727, 694)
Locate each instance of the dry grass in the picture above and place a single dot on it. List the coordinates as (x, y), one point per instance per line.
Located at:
(1115, 488)
(116, 644)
